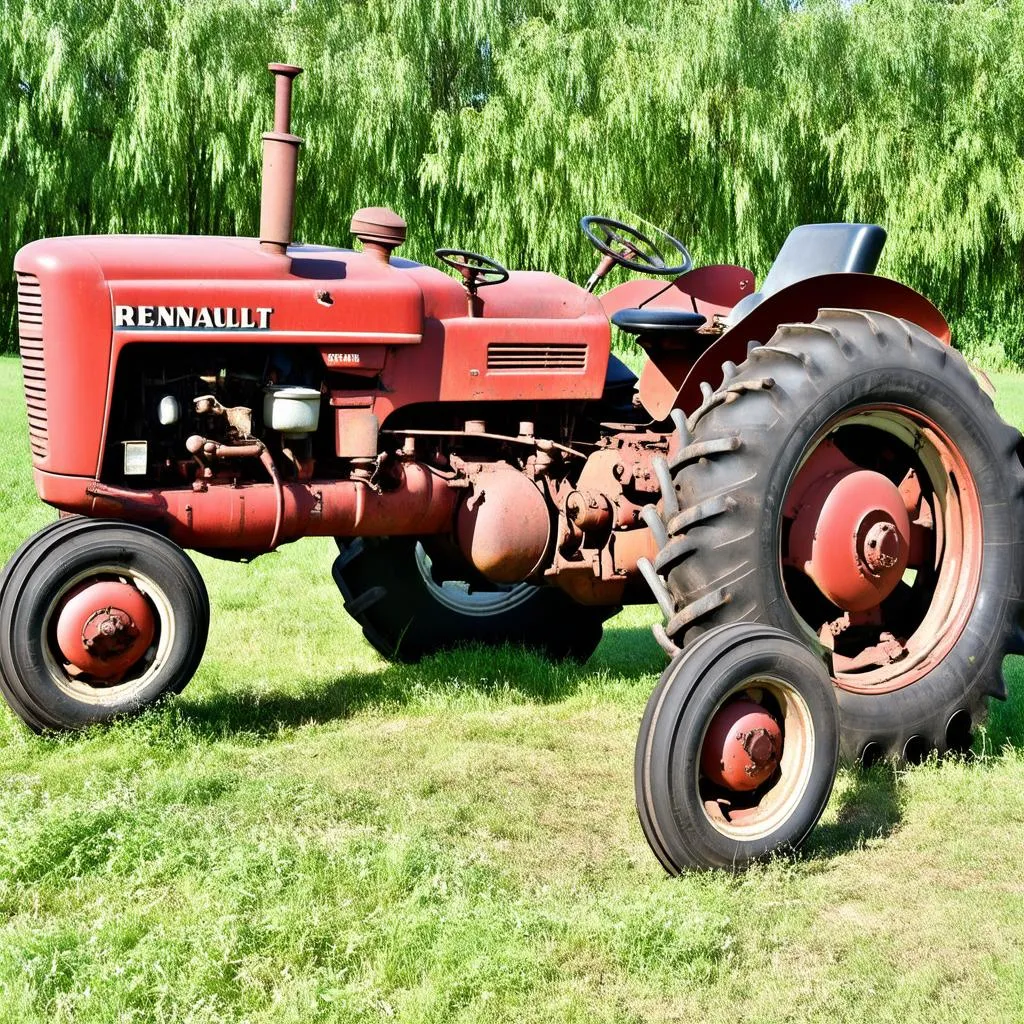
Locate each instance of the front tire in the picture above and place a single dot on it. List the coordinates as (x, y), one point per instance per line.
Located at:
(737, 750)
(98, 619)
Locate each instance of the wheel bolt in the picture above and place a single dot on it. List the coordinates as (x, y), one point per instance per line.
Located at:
(881, 547)
(760, 748)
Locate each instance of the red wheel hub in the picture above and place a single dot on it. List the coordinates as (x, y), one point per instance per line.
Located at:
(883, 491)
(104, 627)
(850, 534)
(742, 746)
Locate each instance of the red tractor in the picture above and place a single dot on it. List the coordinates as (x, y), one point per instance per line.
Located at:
(812, 457)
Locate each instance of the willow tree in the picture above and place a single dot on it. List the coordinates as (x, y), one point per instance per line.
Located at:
(732, 123)
(496, 124)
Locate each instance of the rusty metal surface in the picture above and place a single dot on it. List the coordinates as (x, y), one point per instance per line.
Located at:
(707, 290)
(379, 229)
(742, 747)
(404, 329)
(503, 526)
(850, 530)
(280, 164)
(242, 518)
(855, 533)
(104, 626)
(589, 511)
(602, 532)
(357, 434)
(800, 303)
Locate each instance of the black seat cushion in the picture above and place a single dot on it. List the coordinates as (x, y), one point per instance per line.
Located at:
(813, 249)
(661, 321)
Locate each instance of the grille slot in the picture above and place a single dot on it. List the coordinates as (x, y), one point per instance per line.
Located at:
(33, 369)
(559, 358)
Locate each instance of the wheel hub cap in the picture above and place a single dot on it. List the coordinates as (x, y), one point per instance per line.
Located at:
(851, 536)
(104, 627)
(742, 746)
(881, 547)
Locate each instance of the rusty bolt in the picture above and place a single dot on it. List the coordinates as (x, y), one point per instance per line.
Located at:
(760, 748)
(882, 547)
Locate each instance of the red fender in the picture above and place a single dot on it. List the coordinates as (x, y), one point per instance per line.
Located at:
(797, 303)
(708, 290)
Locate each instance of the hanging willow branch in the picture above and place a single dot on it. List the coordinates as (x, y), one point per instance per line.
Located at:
(495, 124)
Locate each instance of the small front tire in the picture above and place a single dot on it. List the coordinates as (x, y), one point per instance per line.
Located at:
(743, 689)
(65, 665)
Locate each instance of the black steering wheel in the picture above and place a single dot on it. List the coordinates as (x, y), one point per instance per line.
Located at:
(476, 270)
(636, 251)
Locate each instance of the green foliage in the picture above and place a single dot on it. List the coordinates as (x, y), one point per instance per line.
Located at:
(495, 124)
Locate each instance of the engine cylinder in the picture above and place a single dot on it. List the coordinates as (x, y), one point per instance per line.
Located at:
(504, 525)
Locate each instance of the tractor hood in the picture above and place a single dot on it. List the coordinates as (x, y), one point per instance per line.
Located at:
(231, 289)
(228, 288)
(83, 299)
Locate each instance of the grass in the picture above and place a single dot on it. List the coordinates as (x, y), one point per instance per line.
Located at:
(309, 834)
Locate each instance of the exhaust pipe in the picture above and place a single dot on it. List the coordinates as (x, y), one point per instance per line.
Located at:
(280, 163)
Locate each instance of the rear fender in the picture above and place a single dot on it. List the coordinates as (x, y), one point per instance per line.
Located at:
(799, 303)
(707, 290)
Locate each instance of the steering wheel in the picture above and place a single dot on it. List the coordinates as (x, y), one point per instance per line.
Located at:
(637, 251)
(476, 270)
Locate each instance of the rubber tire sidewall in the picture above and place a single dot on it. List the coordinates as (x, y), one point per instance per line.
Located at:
(409, 622)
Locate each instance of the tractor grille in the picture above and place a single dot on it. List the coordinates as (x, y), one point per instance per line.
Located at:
(536, 358)
(30, 339)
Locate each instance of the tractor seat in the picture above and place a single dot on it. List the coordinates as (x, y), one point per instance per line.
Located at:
(657, 321)
(813, 249)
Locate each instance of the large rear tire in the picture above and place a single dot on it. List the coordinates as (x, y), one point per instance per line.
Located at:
(406, 614)
(865, 394)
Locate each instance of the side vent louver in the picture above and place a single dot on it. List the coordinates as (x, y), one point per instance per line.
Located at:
(566, 358)
(33, 371)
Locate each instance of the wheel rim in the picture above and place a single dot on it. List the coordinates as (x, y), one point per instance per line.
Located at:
(139, 665)
(881, 545)
(460, 597)
(748, 813)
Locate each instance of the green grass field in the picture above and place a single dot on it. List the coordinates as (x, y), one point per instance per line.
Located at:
(309, 834)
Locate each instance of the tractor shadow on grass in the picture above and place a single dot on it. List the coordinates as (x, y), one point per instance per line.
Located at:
(509, 675)
(867, 806)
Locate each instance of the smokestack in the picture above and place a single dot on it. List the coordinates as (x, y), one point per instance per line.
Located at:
(280, 162)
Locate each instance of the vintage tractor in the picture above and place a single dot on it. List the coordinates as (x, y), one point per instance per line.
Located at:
(812, 456)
